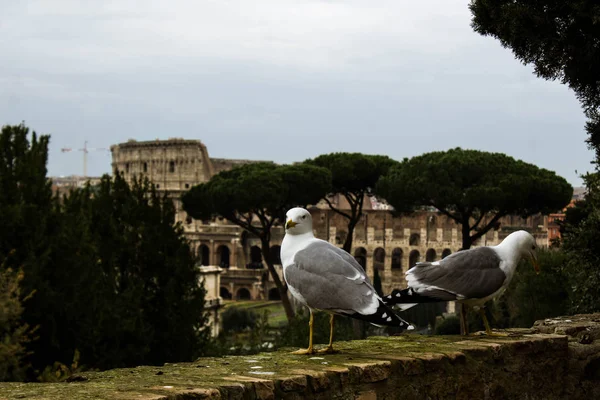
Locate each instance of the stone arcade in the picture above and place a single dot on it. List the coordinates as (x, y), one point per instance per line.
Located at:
(381, 241)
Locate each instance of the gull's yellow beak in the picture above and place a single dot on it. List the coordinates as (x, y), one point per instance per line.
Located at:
(290, 224)
(535, 263)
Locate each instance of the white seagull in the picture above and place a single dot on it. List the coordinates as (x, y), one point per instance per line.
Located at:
(470, 277)
(326, 278)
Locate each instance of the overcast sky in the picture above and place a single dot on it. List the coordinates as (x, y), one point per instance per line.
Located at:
(278, 80)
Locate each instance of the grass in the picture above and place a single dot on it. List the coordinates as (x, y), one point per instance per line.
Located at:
(277, 316)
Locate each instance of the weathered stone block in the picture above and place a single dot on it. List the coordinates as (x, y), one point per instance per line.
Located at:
(522, 366)
(319, 381)
(293, 384)
(264, 390)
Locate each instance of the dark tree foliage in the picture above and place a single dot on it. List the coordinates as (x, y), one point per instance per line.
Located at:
(592, 127)
(26, 209)
(581, 242)
(296, 331)
(112, 276)
(14, 333)
(121, 282)
(449, 325)
(147, 260)
(561, 39)
(354, 176)
(256, 197)
(474, 188)
(531, 297)
(25, 196)
(235, 319)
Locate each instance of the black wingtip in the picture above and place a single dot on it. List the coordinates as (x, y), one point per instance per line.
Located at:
(408, 296)
(389, 299)
(398, 296)
(384, 316)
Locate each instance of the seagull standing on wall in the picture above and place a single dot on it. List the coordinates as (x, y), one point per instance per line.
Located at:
(324, 277)
(470, 277)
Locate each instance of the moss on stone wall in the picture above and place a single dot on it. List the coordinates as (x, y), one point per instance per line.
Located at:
(523, 365)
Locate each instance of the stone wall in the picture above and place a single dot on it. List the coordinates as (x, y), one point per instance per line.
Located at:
(556, 359)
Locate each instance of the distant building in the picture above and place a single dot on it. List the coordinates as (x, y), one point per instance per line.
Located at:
(174, 166)
(555, 219)
(390, 244)
(62, 185)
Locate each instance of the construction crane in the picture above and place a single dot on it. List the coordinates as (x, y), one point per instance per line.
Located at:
(85, 151)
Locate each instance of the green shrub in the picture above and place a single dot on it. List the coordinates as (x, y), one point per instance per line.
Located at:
(449, 325)
(295, 334)
(14, 334)
(530, 296)
(425, 314)
(236, 319)
(581, 243)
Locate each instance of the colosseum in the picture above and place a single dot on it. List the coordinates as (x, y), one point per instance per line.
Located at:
(383, 242)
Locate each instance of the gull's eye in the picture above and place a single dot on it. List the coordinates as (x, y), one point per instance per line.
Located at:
(304, 217)
(533, 247)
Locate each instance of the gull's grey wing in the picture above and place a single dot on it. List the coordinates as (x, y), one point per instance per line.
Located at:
(330, 279)
(344, 255)
(470, 274)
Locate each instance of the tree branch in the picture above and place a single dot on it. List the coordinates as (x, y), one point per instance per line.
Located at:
(355, 205)
(262, 217)
(446, 213)
(483, 214)
(488, 226)
(244, 222)
(346, 215)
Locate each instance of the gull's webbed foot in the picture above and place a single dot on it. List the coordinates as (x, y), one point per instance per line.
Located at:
(328, 350)
(303, 352)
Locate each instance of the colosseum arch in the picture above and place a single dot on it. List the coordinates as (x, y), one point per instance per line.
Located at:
(397, 255)
(274, 294)
(430, 255)
(415, 239)
(225, 293)
(275, 254)
(255, 258)
(379, 259)
(223, 256)
(446, 253)
(243, 294)
(431, 228)
(203, 255)
(360, 254)
(413, 258)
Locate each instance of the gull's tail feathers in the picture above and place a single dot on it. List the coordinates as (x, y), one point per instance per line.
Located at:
(384, 316)
(407, 298)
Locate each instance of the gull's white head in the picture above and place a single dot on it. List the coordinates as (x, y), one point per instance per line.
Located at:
(298, 221)
(526, 245)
